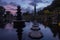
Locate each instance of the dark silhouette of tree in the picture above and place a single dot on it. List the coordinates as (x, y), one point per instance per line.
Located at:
(55, 4)
(54, 7)
(40, 12)
(8, 17)
(2, 11)
(27, 16)
(55, 30)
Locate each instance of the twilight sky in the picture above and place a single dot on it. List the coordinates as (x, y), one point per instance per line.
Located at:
(25, 4)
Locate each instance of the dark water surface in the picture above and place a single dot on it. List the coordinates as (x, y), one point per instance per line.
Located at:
(11, 34)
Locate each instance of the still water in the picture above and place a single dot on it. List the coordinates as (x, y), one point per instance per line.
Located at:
(46, 31)
(49, 33)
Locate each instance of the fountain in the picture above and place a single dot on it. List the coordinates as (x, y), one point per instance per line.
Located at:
(35, 26)
(35, 32)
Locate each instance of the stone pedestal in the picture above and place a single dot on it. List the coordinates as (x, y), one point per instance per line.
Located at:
(35, 27)
(35, 33)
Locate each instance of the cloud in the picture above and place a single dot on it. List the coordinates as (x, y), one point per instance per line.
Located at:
(26, 5)
(13, 3)
(37, 1)
(2, 3)
(40, 1)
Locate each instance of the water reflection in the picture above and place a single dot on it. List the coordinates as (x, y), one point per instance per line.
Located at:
(55, 30)
(49, 33)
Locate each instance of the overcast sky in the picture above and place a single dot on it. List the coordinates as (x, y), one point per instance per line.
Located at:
(26, 4)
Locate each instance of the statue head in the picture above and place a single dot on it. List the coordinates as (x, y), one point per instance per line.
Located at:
(18, 8)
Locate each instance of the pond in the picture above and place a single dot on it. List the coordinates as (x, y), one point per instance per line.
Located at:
(46, 31)
(49, 33)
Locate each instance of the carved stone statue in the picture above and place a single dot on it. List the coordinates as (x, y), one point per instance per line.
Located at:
(19, 23)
